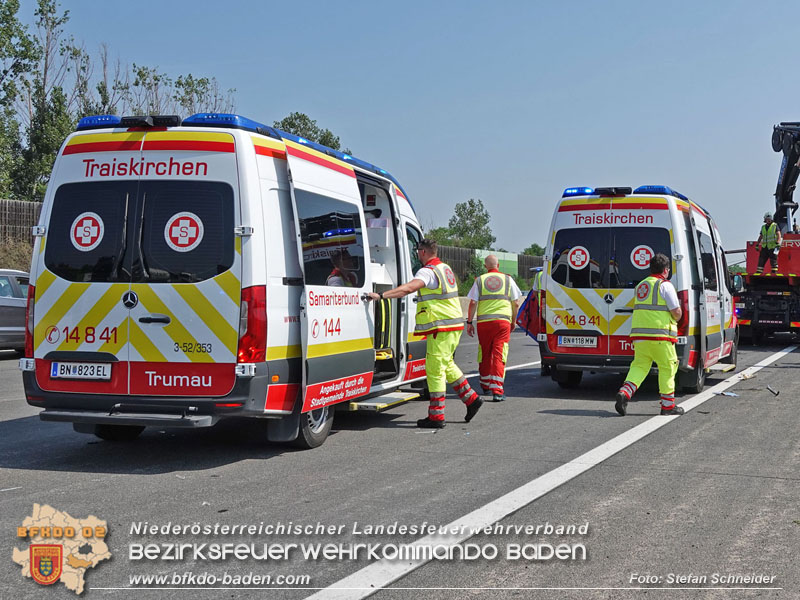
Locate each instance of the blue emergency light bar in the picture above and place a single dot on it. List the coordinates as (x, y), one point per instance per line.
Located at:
(577, 191)
(337, 232)
(98, 122)
(229, 120)
(659, 189)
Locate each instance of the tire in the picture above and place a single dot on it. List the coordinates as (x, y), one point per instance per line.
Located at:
(733, 356)
(118, 433)
(567, 379)
(314, 428)
(694, 381)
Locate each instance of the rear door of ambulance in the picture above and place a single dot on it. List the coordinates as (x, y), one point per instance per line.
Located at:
(576, 310)
(142, 268)
(186, 266)
(337, 327)
(641, 228)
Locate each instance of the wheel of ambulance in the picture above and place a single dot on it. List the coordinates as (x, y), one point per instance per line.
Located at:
(567, 379)
(118, 433)
(315, 426)
(733, 356)
(695, 380)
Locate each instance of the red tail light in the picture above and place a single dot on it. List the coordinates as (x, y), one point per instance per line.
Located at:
(683, 323)
(542, 306)
(253, 325)
(29, 323)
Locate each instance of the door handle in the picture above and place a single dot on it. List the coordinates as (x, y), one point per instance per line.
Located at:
(155, 319)
(624, 310)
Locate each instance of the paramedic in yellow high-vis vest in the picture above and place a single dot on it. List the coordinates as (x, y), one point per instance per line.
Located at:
(441, 321)
(654, 330)
(494, 298)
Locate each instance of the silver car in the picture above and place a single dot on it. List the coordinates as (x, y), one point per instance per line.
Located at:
(13, 298)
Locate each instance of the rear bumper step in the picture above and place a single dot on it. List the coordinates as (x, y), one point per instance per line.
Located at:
(381, 403)
(121, 418)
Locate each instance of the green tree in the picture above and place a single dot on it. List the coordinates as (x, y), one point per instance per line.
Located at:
(534, 250)
(306, 127)
(442, 235)
(469, 225)
(17, 55)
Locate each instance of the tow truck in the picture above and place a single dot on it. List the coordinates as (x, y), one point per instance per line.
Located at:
(768, 302)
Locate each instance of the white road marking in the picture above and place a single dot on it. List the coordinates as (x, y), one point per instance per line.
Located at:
(378, 575)
(11, 489)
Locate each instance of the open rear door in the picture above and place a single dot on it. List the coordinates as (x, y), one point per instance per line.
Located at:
(337, 330)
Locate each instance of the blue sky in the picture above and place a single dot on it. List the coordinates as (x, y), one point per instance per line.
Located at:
(509, 102)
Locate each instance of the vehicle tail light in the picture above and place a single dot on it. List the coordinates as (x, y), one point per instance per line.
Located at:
(683, 322)
(542, 306)
(29, 323)
(253, 325)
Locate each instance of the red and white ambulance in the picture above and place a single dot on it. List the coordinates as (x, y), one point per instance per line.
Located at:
(599, 248)
(187, 271)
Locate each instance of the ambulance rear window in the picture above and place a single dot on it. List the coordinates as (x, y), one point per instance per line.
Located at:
(187, 231)
(86, 229)
(580, 257)
(631, 253)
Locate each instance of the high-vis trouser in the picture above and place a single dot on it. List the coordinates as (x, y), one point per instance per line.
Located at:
(493, 337)
(645, 353)
(441, 369)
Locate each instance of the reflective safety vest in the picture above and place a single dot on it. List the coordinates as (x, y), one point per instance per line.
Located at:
(538, 280)
(651, 317)
(494, 301)
(439, 309)
(769, 235)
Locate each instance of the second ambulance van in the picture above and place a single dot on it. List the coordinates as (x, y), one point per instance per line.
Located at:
(599, 248)
(188, 271)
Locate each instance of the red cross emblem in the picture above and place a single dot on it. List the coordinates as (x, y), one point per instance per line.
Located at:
(643, 291)
(641, 255)
(184, 232)
(87, 231)
(493, 283)
(451, 278)
(578, 257)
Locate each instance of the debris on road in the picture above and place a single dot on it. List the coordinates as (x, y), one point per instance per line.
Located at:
(746, 376)
(774, 392)
(731, 394)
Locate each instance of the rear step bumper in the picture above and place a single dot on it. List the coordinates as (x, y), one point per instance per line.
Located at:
(121, 418)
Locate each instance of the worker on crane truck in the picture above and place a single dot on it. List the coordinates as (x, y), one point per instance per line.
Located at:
(769, 244)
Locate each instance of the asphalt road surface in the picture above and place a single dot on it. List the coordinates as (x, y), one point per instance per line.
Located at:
(661, 507)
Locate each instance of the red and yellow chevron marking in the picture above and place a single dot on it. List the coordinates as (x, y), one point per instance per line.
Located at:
(318, 158)
(744, 321)
(268, 147)
(128, 141)
(202, 141)
(626, 203)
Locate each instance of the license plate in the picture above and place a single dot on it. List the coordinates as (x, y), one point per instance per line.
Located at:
(60, 370)
(578, 341)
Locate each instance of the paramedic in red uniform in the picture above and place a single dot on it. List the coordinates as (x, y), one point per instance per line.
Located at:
(497, 298)
(441, 321)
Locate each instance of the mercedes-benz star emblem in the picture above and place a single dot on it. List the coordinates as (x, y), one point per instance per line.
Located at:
(130, 299)
(608, 298)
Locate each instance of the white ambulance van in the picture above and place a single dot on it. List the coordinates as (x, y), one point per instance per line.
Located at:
(599, 248)
(188, 271)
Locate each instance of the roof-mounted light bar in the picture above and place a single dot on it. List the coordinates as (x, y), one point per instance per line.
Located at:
(229, 120)
(577, 191)
(659, 189)
(612, 192)
(98, 122)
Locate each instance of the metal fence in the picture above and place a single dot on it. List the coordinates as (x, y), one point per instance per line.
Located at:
(519, 265)
(16, 219)
(459, 259)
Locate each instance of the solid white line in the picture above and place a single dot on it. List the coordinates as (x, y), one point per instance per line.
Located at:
(10, 489)
(382, 573)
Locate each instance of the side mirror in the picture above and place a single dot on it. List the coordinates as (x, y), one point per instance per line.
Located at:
(738, 283)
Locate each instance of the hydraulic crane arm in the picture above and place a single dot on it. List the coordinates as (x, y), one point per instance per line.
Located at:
(786, 139)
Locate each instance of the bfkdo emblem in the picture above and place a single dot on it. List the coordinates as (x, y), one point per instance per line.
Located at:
(46, 562)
